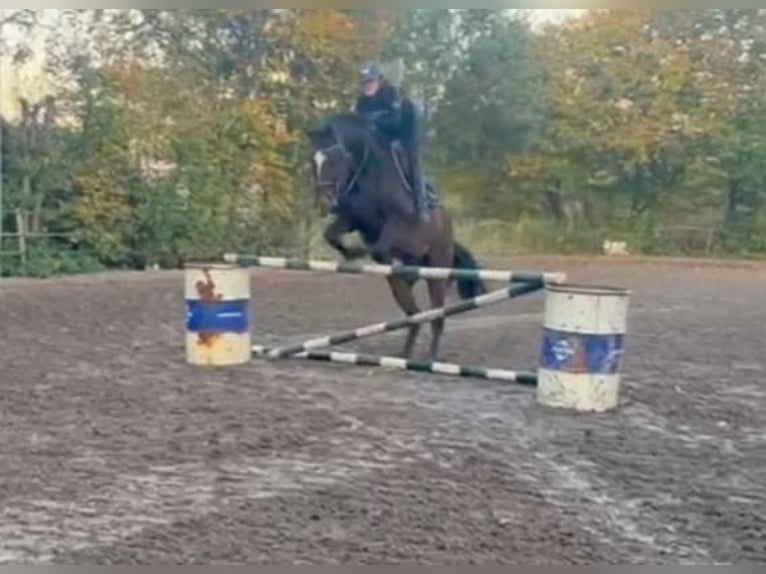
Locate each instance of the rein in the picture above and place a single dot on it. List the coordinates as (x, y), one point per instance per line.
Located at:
(358, 169)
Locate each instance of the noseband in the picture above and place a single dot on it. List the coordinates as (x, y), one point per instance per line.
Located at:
(347, 157)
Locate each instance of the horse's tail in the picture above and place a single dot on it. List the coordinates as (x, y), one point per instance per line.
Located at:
(468, 288)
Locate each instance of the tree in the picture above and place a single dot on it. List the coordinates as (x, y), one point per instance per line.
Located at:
(425, 40)
(625, 105)
(494, 107)
(728, 51)
(20, 20)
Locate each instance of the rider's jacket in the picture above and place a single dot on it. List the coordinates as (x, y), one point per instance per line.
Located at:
(391, 112)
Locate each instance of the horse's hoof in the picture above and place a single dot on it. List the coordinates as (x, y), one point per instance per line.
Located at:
(433, 356)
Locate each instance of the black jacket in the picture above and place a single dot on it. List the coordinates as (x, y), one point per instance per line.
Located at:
(395, 115)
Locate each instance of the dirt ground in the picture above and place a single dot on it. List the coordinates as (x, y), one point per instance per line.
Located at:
(113, 450)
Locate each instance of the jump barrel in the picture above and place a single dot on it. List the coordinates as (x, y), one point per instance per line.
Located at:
(582, 343)
(582, 350)
(217, 315)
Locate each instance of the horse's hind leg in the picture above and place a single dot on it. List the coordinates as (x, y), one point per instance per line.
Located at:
(437, 291)
(403, 292)
(441, 254)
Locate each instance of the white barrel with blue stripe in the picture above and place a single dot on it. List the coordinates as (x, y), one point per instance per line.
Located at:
(217, 315)
(583, 347)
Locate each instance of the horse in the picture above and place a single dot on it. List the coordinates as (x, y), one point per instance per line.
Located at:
(364, 180)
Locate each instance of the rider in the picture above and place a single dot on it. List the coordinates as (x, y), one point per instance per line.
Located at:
(397, 117)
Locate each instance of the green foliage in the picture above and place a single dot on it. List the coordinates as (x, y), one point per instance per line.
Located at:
(499, 87)
(47, 259)
(179, 134)
(425, 41)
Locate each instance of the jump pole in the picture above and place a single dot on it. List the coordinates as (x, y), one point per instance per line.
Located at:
(351, 268)
(493, 298)
(437, 368)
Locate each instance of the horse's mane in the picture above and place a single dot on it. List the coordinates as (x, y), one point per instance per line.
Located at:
(349, 120)
(356, 128)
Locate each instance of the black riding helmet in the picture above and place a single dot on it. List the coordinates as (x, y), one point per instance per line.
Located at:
(372, 71)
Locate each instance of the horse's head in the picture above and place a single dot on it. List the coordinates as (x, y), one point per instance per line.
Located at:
(340, 152)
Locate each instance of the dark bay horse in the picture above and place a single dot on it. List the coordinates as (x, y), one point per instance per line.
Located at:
(361, 179)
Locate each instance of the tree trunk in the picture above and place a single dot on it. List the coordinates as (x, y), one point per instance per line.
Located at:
(21, 230)
(555, 202)
(733, 198)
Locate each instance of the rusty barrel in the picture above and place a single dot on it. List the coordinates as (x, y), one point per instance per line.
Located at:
(217, 315)
(583, 346)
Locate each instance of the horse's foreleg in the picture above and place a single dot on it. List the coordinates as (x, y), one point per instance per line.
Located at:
(381, 249)
(403, 292)
(333, 235)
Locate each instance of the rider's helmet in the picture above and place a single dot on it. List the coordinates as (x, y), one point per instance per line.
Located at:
(372, 77)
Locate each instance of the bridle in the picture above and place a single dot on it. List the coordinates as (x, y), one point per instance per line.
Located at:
(348, 156)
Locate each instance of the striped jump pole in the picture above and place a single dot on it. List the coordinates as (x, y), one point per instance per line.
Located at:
(522, 378)
(351, 268)
(493, 298)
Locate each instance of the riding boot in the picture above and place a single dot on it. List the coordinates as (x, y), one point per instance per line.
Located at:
(420, 194)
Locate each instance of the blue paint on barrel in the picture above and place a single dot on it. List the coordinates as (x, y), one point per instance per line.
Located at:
(218, 316)
(580, 353)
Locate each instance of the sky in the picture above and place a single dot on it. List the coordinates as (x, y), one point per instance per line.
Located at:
(549, 14)
(30, 82)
